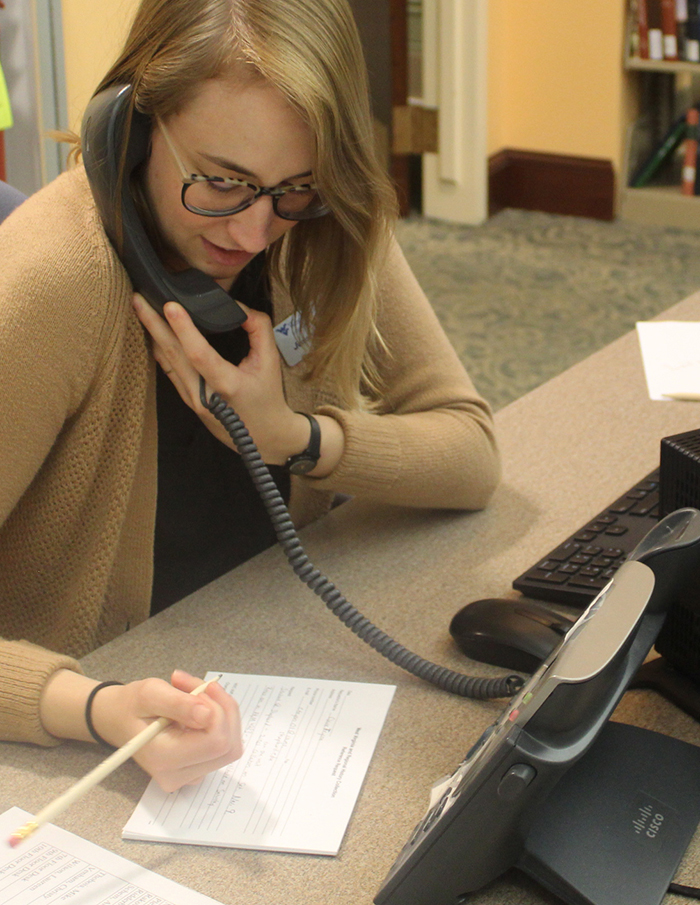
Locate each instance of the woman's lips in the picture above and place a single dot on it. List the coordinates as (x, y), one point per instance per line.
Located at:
(226, 256)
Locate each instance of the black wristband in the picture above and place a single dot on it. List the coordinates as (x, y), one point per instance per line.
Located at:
(88, 712)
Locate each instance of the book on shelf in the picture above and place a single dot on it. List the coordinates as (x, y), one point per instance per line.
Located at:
(639, 29)
(683, 134)
(664, 30)
(692, 32)
(690, 152)
(681, 27)
(668, 29)
(655, 32)
(660, 153)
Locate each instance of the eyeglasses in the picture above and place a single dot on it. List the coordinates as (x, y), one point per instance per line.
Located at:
(221, 196)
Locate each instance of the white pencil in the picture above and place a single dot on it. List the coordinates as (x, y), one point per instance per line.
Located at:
(109, 765)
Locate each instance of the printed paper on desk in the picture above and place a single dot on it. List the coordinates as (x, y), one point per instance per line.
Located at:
(54, 867)
(307, 746)
(671, 356)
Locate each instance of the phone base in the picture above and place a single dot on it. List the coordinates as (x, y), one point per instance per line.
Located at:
(616, 826)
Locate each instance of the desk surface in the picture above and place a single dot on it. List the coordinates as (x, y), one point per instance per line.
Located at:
(569, 448)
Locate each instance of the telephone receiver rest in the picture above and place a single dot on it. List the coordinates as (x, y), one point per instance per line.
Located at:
(671, 549)
(104, 125)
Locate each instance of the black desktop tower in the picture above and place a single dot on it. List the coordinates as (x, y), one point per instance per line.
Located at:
(679, 486)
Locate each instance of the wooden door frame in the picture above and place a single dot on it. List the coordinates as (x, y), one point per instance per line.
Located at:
(399, 164)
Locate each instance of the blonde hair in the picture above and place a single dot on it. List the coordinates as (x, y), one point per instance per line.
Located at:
(310, 51)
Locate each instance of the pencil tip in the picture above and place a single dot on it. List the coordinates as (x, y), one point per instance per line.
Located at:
(15, 840)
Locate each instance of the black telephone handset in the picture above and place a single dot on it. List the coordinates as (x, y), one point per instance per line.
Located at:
(211, 308)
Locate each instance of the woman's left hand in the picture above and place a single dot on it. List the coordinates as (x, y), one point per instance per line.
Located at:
(252, 388)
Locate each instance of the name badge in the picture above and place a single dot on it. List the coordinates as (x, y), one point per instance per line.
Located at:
(292, 341)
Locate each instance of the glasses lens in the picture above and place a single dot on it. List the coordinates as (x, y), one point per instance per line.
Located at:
(300, 205)
(216, 197)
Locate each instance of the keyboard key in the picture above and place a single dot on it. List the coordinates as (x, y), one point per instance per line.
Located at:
(601, 561)
(580, 560)
(550, 577)
(648, 485)
(615, 552)
(606, 519)
(563, 552)
(549, 565)
(594, 584)
(569, 568)
(622, 505)
(585, 536)
(617, 530)
(591, 550)
(644, 507)
(590, 572)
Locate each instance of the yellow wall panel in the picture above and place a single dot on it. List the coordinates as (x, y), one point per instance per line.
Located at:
(555, 76)
(93, 33)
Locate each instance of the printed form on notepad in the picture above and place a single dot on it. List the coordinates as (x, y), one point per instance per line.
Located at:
(307, 746)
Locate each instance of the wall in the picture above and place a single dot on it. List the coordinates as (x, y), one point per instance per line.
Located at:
(555, 81)
(93, 32)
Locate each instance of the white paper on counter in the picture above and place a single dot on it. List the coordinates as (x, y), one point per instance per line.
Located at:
(55, 867)
(308, 744)
(671, 356)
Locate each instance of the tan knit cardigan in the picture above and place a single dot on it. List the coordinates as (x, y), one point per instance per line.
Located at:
(79, 439)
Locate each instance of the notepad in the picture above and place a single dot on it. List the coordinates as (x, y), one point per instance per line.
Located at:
(307, 746)
(671, 356)
(54, 867)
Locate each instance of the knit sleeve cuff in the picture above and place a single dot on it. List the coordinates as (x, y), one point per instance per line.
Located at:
(26, 670)
(372, 457)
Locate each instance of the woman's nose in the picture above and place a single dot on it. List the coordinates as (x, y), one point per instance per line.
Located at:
(252, 228)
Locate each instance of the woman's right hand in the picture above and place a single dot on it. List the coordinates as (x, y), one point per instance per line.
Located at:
(205, 733)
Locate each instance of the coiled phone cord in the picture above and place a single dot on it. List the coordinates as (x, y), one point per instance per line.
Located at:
(447, 679)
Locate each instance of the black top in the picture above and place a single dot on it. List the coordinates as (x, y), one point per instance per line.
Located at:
(209, 517)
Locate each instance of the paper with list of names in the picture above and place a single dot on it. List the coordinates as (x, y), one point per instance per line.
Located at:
(54, 867)
(307, 747)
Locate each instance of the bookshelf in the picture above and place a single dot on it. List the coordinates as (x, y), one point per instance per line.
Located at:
(658, 91)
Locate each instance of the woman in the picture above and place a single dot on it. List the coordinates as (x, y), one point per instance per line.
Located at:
(115, 497)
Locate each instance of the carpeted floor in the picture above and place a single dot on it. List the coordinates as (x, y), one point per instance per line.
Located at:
(527, 294)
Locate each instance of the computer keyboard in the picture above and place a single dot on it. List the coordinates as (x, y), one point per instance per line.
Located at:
(575, 571)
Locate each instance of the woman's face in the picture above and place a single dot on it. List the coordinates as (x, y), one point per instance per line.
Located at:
(231, 128)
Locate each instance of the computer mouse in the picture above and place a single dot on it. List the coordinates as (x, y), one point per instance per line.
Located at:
(514, 634)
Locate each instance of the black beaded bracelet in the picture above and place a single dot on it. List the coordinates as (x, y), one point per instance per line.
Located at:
(88, 712)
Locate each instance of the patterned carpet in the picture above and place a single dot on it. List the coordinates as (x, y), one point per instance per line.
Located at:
(528, 294)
